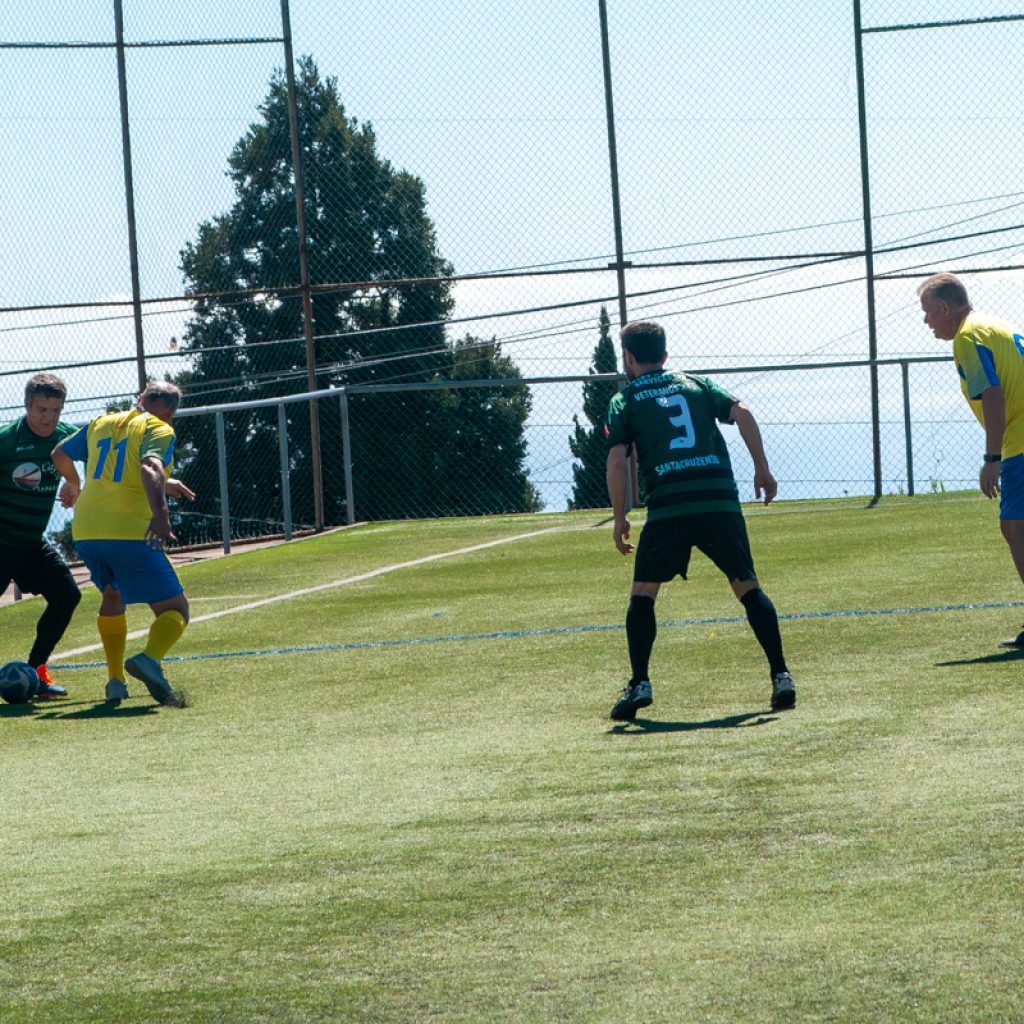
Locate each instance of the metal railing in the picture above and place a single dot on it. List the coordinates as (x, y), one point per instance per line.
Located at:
(799, 441)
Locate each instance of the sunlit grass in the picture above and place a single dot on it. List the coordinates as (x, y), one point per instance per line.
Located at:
(454, 831)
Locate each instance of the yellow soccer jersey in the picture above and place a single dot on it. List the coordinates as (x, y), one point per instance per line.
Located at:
(990, 352)
(113, 503)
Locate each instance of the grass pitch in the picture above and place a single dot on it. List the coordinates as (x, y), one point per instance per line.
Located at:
(454, 831)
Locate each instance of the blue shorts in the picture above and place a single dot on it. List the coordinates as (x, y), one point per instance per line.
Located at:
(1011, 488)
(141, 574)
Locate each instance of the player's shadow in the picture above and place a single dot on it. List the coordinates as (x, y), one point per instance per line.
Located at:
(89, 710)
(747, 720)
(16, 710)
(1016, 654)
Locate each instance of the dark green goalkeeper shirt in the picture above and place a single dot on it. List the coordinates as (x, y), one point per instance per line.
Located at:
(671, 421)
(28, 481)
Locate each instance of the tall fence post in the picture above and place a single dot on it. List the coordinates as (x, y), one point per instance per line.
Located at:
(304, 280)
(222, 466)
(905, 371)
(286, 477)
(620, 264)
(346, 454)
(613, 161)
(869, 255)
(129, 194)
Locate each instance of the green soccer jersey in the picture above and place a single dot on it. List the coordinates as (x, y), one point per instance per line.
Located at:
(670, 421)
(28, 481)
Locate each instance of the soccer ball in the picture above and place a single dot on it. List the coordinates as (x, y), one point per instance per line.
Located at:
(18, 682)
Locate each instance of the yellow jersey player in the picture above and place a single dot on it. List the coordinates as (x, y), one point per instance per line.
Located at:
(989, 357)
(121, 527)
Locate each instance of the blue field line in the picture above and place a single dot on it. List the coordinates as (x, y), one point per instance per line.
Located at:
(565, 630)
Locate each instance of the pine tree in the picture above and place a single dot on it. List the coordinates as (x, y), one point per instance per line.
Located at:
(587, 443)
(367, 225)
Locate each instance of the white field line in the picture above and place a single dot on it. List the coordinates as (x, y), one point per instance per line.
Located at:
(234, 610)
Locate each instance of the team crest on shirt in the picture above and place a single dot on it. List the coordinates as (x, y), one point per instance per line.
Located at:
(27, 477)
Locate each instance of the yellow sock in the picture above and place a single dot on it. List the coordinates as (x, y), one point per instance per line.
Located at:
(164, 634)
(113, 631)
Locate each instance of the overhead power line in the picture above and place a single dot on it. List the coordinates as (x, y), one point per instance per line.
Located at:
(554, 268)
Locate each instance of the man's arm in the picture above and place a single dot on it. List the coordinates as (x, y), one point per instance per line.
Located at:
(618, 485)
(159, 531)
(993, 411)
(751, 434)
(72, 486)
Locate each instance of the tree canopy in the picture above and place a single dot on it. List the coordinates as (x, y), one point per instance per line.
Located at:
(380, 298)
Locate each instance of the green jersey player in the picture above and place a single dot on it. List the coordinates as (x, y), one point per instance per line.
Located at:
(670, 420)
(28, 486)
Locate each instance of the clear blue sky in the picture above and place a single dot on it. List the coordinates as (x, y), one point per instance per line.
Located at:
(732, 120)
(736, 119)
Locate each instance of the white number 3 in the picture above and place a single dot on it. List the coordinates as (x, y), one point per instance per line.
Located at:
(682, 418)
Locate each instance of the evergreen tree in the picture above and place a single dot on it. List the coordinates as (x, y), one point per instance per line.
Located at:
(367, 229)
(484, 451)
(587, 443)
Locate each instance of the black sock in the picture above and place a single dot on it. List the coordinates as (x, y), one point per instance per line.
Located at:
(641, 629)
(765, 624)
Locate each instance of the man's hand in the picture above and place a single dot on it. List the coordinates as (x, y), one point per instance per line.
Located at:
(620, 532)
(989, 479)
(764, 482)
(159, 532)
(69, 492)
(176, 489)
(751, 434)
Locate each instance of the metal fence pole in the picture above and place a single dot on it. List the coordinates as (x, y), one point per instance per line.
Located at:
(222, 466)
(286, 483)
(620, 264)
(869, 261)
(129, 194)
(905, 371)
(346, 452)
(613, 161)
(307, 301)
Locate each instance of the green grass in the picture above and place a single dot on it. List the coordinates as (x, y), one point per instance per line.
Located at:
(455, 832)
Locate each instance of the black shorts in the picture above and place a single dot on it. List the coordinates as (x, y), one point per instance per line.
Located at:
(663, 550)
(36, 569)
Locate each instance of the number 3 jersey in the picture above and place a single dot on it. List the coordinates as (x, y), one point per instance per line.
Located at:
(113, 503)
(671, 422)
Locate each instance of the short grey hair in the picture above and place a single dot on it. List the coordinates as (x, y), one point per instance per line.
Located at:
(946, 288)
(162, 391)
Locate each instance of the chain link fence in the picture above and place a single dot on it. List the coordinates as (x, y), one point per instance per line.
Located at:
(477, 186)
(486, 472)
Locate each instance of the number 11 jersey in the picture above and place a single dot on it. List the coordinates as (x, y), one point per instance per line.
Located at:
(113, 504)
(671, 422)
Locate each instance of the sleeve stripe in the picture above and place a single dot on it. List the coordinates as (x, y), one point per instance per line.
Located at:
(988, 364)
(76, 446)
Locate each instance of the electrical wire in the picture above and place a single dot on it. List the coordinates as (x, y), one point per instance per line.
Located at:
(536, 334)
